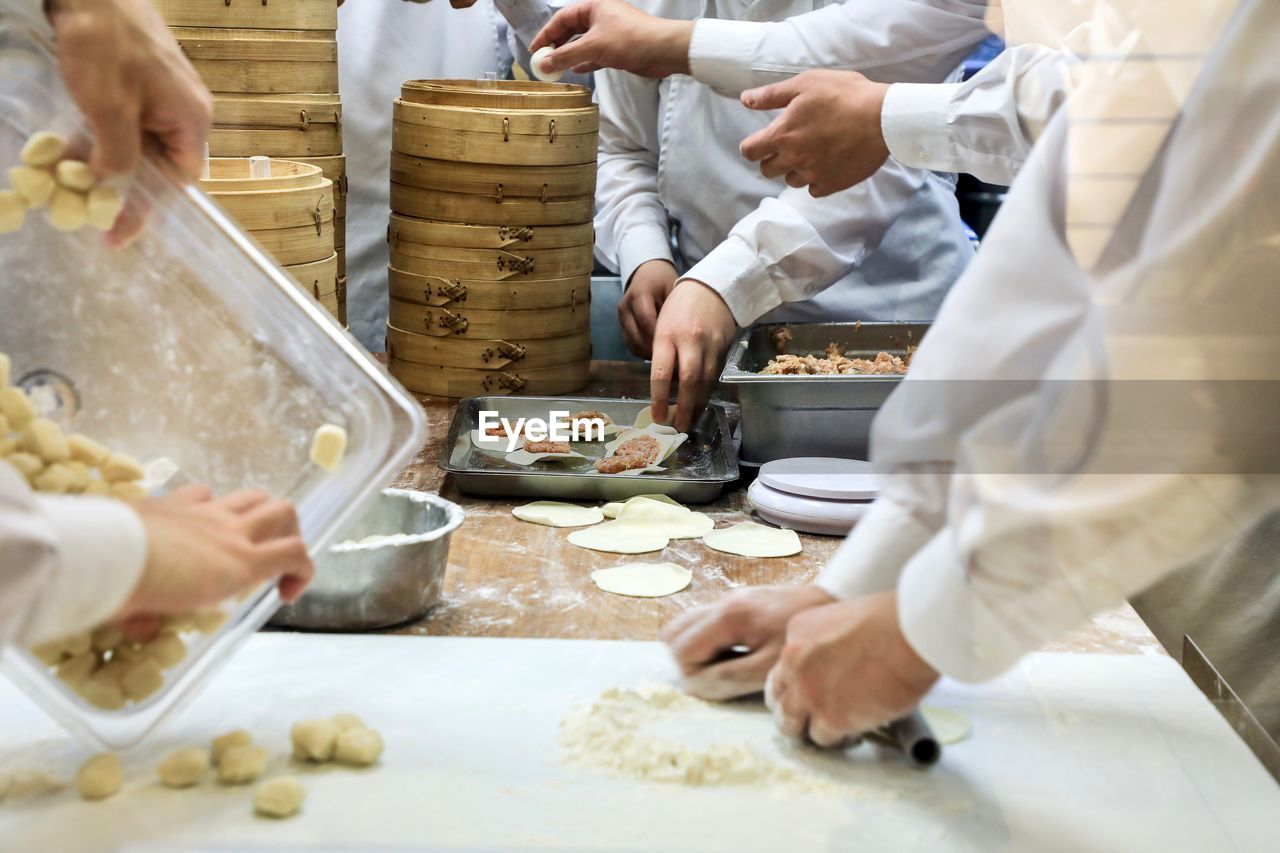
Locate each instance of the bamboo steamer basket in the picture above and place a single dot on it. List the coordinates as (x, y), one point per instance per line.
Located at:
(296, 195)
(514, 295)
(250, 14)
(532, 323)
(496, 147)
(301, 245)
(491, 264)
(499, 94)
(459, 382)
(481, 210)
(515, 238)
(222, 44)
(316, 278)
(487, 354)
(500, 182)
(319, 140)
(255, 76)
(289, 111)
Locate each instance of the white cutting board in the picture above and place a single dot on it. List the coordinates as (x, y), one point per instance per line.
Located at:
(1070, 752)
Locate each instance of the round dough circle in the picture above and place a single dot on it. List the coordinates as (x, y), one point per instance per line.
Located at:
(634, 536)
(558, 514)
(749, 539)
(614, 508)
(535, 65)
(675, 521)
(643, 580)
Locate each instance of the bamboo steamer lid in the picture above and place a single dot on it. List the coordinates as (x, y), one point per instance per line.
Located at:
(499, 146)
(487, 354)
(480, 210)
(491, 264)
(498, 94)
(303, 244)
(500, 182)
(514, 238)
(219, 44)
(318, 277)
(458, 382)
(320, 140)
(293, 111)
(250, 14)
(269, 208)
(259, 77)
(513, 295)
(533, 323)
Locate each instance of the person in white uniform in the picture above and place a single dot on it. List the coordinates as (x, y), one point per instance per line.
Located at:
(68, 564)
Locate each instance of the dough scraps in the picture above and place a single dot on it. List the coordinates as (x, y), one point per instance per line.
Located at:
(614, 508)
(749, 539)
(633, 536)
(558, 514)
(677, 522)
(643, 580)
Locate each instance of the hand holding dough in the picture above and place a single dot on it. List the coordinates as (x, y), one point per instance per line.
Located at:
(749, 539)
(558, 514)
(643, 580)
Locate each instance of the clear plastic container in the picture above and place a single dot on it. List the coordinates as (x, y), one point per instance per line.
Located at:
(192, 351)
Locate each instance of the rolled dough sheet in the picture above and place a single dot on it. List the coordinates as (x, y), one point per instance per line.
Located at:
(676, 521)
(524, 457)
(558, 514)
(635, 536)
(643, 580)
(948, 726)
(749, 539)
(614, 508)
(644, 419)
(494, 444)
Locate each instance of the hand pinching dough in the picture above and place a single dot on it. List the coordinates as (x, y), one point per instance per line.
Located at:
(358, 747)
(643, 580)
(558, 514)
(635, 536)
(313, 740)
(241, 765)
(100, 777)
(329, 446)
(183, 768)
(279, 797)
(749, 539)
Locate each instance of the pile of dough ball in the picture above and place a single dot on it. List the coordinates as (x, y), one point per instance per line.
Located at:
(344, 738)
(67, 187)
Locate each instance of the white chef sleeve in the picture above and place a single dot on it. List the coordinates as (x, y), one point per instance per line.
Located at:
(918, 41)
(67, 564)
(794, 246)
(632, 225)
(985, 126)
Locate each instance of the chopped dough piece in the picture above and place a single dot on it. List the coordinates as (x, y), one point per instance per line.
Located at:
(167, 650)
(44, 438)
(280, 797)
(558, 514)
(347, 722)
(749, 539)
(635, 536)
(16, 408)
(614, 509)
(141, 680)
(35, 185)
(68, 209)
(27, 464)
(358, 747)
(242, 764)
(103, 208)
(328, 446)
(102, 692)
(120, 467)
(948, 726)
(86, 450)
(75, 175)
(76, 670)
(100, 777)
(313, 740)
(43, 148)
(57, 479)
(676, 521)
(643, 580)
(13, 212)
(222, 743)
(183, 768)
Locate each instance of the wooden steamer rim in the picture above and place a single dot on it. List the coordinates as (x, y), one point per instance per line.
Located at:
(319, 140)
(513, 237)
(492, 264)
(221, 43)
(250, 14)
(271, 208)
(515, 295)
(458, 382)
(498, 182)
(482, 210)
(531, 323)
(482, 354)
(231, 174)
(497, 94)
(578, 121)
(495, 148)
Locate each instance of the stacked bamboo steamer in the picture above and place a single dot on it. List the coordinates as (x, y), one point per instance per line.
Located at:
(272, 66)
(290, 214)
(492, 197)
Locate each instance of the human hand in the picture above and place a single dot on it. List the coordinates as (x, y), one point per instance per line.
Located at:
(648, 289)
(615, 34)
(694, 331)
(829, 137)
(202, 550)
(702, 640)
(846, 669)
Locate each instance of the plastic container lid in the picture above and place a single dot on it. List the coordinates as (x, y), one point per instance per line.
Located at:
(820, 477)
(190, 348)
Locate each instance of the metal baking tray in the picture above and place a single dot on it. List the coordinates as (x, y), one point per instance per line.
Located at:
(788, 416)
(697, 473)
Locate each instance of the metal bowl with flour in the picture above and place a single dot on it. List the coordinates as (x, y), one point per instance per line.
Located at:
(389, 570)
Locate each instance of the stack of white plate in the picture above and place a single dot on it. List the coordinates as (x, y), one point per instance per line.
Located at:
(814, 495)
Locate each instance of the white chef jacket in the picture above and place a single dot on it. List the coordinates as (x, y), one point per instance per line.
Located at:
(381, 44)
(669, 153)
(1032, 472)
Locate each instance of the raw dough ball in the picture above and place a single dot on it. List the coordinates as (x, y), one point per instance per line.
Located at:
(313, 740)
(13, 212)
(44, 148)
(141, 680)
(35, 185)
(75, 175)
(86, 450)
(535, 65)
(183, 768)
(76, 670)
(16, 408)
(948, 726)
(358, 747)
(167, 650)
(749, 539)
(241, 765)
(621, 537)
(347, 722)
(57, 479)
(27, 464)
(613, 510)
(68, 210)
(100, 777)
(328, 446)
(675, 521)
(121, 467)
(643, 580)
(279, 797)
(101, 691)
(44, 438)
(104, 207)
(558, 514)
(222, 743)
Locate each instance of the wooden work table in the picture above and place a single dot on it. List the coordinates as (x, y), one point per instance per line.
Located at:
(509, 578)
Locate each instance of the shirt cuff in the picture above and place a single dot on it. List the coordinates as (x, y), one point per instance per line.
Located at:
(916, 122)
(736, 272)
(946, 623)
(720, 53)
(871, 559)
(102, 551)
(641, 244)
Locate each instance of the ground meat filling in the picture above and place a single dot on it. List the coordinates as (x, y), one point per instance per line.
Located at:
(588, 423)
(638, 452)
(546, 446)
(835, 363)
(499, 431)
